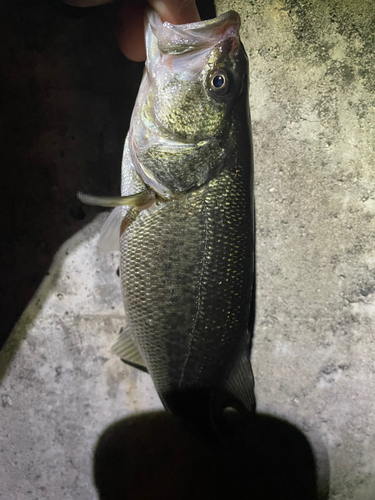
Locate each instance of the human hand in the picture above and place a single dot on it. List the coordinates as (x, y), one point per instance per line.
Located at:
(130, 29)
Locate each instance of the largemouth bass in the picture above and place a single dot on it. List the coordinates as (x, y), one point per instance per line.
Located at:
(185, 227)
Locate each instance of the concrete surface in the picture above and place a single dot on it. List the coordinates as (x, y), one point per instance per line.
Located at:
(312, 101)
(64, 385)
(313, 113)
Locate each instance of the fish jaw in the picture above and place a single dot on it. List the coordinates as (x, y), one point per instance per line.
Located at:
(179, 128)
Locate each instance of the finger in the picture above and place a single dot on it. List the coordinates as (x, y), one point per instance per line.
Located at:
(130, 33)
(172, 11)
(176, 11)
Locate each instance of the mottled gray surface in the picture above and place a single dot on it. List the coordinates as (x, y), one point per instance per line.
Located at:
(313, 112)
(64, 386)
(312, 101)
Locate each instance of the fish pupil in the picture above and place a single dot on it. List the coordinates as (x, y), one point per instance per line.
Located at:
(218, 81)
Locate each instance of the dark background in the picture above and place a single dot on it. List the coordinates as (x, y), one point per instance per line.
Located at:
(67, 93)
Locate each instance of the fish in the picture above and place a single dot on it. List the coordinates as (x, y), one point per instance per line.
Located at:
(184, 223)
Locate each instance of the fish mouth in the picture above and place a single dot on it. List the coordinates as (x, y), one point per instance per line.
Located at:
(191, 37)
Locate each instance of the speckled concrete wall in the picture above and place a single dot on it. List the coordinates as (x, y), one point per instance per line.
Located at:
(313, 113)
(312, 100)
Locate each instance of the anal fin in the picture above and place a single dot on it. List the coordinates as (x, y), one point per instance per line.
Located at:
(126, 349)
(241, 380)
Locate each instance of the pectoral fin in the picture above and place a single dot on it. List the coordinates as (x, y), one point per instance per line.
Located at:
(110, 234)
(114, 226)
(109, 239)
(128, 351)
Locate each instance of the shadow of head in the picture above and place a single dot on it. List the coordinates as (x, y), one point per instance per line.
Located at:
(155, 456)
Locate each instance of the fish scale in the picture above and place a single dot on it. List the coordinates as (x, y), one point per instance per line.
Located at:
(187, 240)
(198, 249)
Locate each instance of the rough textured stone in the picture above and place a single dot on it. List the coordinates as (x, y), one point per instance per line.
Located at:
(312, 101)
(63, 385)
(313, 113)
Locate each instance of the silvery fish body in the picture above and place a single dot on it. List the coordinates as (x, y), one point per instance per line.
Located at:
(187, 256)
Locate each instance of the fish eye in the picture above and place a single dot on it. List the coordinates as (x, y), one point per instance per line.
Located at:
(219, 82)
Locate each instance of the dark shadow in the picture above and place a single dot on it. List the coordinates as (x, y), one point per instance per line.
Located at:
(155, 456)
(67, 94)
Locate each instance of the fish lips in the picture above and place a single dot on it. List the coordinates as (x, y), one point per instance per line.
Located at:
(184, 38)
